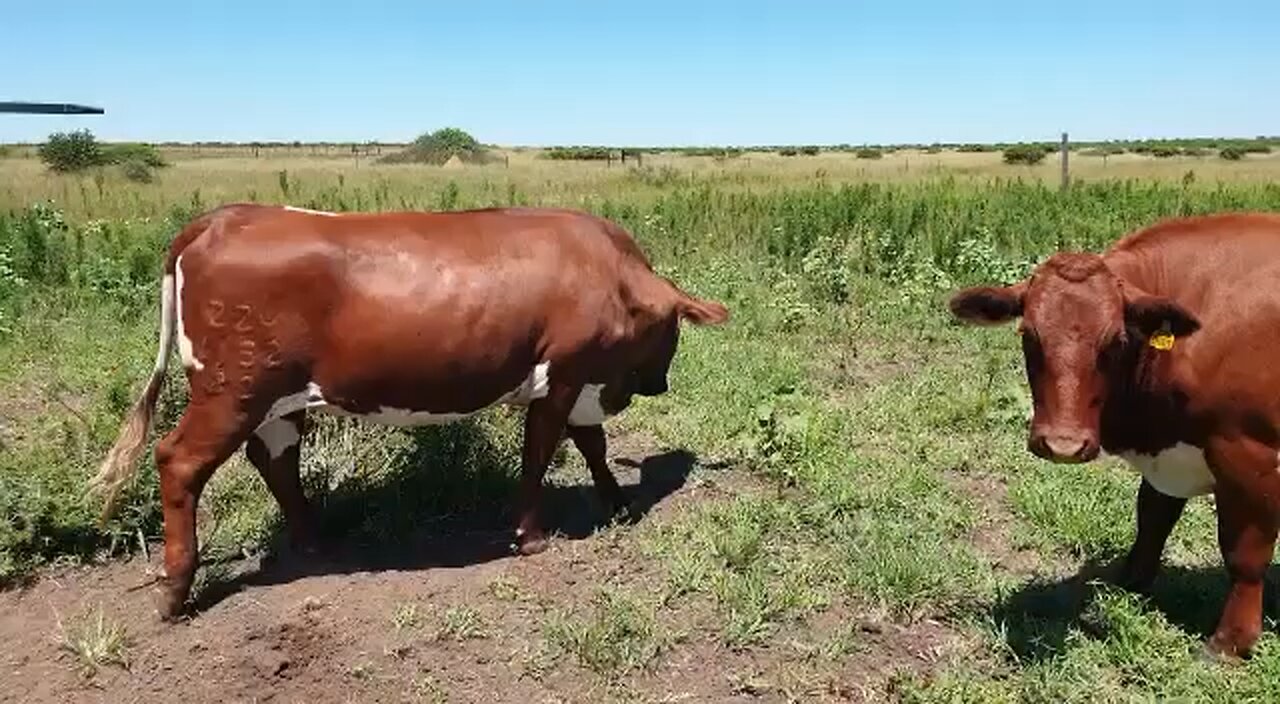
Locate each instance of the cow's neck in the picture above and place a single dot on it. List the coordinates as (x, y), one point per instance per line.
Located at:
(1146, 407)
(1145, 410)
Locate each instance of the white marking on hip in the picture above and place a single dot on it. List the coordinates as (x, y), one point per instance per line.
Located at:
(278, 435)
(310, 211)
(1180, 471)
(587, 409)
(185, 348)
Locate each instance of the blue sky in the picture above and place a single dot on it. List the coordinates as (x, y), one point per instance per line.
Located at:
(646, 73)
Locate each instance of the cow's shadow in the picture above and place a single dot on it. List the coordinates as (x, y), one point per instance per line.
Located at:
(427, 515)
(1037, 618)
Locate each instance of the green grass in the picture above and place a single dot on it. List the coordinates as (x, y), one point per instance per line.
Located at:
(840, 383)
(617, 634)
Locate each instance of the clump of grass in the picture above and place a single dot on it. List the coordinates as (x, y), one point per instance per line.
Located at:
(406, 616)
(96, 641)
(505, 588)
(461, 623)
(618, 635)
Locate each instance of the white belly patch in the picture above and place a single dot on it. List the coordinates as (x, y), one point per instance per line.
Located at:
(586, 409)
(1179, 471)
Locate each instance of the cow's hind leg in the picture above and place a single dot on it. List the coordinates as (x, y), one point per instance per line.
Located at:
(1157, 515)
(544, 426)
(590, 441)
(275, 449)
(204, 438)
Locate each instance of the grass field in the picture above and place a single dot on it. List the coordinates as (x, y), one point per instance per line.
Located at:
(883, 535)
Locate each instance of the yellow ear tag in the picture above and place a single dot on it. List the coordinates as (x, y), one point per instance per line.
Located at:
(1162, 340)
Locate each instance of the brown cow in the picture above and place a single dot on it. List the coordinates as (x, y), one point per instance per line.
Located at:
(1163, 350)
(404, 318)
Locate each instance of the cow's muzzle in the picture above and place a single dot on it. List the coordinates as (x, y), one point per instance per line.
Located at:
(1064, 447)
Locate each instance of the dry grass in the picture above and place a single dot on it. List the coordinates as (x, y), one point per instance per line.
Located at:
(95, 641)
(525, 177)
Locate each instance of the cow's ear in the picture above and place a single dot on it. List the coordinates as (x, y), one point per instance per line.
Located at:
(989, 305)
(701, 312)
(1151, 314)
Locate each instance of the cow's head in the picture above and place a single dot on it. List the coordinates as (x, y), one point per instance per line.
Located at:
(1080, 324)
(656, 336)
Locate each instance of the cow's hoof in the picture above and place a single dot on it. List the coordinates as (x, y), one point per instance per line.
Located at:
(1133, 580)
(1214, 654)
(530, 544)
(1224, 651)
(171, 607)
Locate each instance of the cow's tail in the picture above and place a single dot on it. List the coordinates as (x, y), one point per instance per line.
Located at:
(121, 461)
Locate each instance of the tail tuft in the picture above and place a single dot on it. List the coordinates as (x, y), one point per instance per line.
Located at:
(121, 461)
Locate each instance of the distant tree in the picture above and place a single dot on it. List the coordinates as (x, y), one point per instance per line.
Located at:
(440, 146)
(68, 152)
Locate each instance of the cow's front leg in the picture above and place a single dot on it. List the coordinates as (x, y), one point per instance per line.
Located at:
(544, 426)
(1157, 515)
(590, 441)
(1247, 492)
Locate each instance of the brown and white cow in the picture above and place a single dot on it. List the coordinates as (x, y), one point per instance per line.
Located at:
(1163, 350)
(405, 318)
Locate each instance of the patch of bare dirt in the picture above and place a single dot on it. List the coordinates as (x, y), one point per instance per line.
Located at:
(852, 367)
(464, 620)
(991, 532)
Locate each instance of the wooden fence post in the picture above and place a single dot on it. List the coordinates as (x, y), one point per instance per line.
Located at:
(1066, 172)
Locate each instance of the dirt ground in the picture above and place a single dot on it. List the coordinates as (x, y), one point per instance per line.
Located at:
(351, 627)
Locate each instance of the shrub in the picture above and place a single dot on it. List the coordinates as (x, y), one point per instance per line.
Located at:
(868, 153)
(578, 153)
(1231, 153)
(438, 147)
(72, 151)
(1027, 154)
(809, 151)
(1163, 151)
(69, 152)
(126, 153)
(788, 151)
(137, 171)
